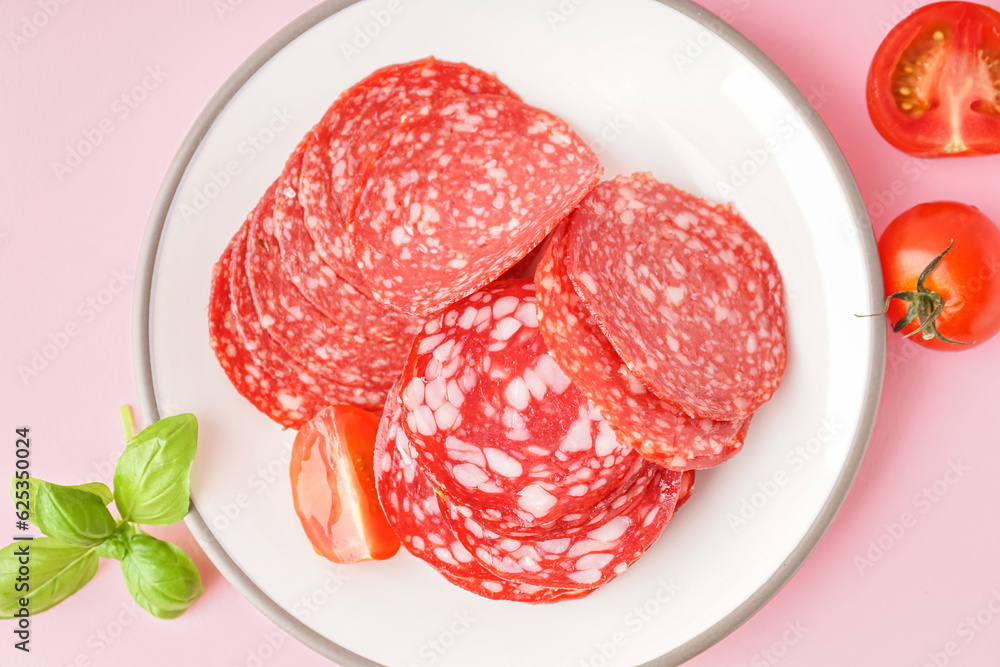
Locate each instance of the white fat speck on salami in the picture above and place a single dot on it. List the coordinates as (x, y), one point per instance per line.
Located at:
(412, 509)
(460, 192)
(586, 559)
(687, 292)
(353, 128)
(496, 424)
(655, 428)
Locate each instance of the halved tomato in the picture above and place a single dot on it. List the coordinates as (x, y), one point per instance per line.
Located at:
(333, 486)
(934, 84)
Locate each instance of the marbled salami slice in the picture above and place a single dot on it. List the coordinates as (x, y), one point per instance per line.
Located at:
(687, 488)
(353, 128)
(286, 373)
(323, 347)
(583, 560)
(460, 192)
(287, 406)
(496, 424)
(687, 292)
(352, 308)
(411, 507)
(655, 428)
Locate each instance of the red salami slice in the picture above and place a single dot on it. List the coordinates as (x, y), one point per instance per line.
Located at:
(460, 192)
(288, 407)
(687, 292)
(687, 488)
(270, 357)
(583, 560)
(496, 424)
(353, 128)
(411, 507)
(352, 308)
(655, 428)
(323, 348)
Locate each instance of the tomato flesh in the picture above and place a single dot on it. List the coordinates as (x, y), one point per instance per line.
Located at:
(333, 486)
(934, 84)
(968, 277)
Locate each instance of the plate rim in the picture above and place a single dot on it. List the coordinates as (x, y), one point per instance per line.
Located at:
(324, 646)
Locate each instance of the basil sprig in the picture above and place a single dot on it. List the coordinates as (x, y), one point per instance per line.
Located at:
(152, 486)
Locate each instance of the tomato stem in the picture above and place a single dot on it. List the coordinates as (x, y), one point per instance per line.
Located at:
(923, 305)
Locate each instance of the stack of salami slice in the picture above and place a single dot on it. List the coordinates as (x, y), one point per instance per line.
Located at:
(421, 184)
(540, 430)
(495, 468)
(668, 313)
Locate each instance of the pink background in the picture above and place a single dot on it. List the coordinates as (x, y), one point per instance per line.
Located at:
(69, 245)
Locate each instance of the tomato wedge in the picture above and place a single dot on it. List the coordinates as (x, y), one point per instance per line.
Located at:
(333, 486)
(934, 84)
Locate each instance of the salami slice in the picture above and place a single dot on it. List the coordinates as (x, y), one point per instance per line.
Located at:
(287, 406)
(322, 347)
(687, 292)
(496, 424)
(460, 192)
(583, 560)
(267, 355)
(411, 507)
(353, 128)
(655, 428)
(352, 308)
(687, 488)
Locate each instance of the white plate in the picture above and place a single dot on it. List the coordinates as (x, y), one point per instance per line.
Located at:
(664, 87)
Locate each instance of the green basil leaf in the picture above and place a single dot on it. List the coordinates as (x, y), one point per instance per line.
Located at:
(26, 490)
(99, 489)
(153, 476)
(160, 577)
(76, 517)
(116, 546)
(55, 570)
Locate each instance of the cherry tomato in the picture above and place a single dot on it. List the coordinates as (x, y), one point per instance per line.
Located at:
(941, 267)
(934, 84)
(333, 486)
